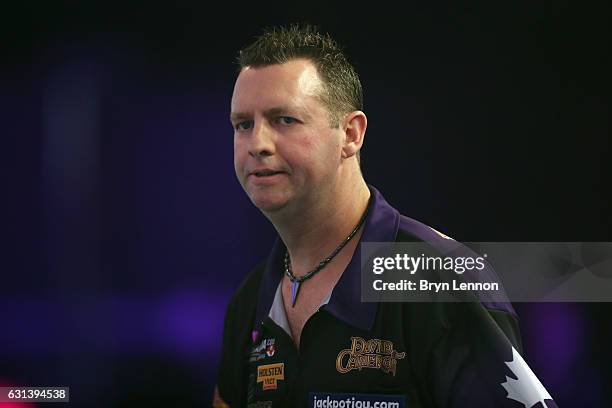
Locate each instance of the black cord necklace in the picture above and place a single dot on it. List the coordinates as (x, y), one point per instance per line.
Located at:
(295, 281)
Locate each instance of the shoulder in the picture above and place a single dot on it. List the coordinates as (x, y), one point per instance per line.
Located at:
(496, 310)
(413, 230)
(245, 297)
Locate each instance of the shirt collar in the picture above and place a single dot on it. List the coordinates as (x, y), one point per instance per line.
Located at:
(381, 225)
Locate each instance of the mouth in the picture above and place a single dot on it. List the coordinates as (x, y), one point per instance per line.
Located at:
(266, 177)
(266, 173)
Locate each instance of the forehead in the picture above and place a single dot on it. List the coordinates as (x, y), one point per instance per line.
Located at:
(294, 83)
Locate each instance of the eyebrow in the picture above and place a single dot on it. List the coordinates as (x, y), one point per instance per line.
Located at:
(272, 112)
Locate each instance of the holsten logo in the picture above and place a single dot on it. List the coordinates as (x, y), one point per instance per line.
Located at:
(373, 353)
(269, 374)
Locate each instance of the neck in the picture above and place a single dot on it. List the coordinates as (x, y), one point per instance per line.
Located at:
(318, 227)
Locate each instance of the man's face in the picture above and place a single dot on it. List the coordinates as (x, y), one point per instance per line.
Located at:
(285, 151)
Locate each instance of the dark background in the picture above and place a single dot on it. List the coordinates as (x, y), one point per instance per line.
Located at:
(124, 231)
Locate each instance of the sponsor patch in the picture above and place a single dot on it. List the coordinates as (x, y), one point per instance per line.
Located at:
(373, 353)
(337, 400)
(270, 374)
(264, 349)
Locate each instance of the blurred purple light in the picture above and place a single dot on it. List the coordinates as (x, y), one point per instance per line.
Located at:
(184, 322)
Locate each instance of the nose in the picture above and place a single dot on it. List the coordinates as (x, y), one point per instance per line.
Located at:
(262, 140)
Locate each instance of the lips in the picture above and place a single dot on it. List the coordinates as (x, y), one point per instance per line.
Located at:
(266, 172)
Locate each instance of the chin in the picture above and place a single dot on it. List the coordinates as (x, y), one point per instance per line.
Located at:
(267, 202)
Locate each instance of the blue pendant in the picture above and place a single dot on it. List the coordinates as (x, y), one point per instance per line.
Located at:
(295, 288)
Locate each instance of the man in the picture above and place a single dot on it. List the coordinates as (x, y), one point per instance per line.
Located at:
(296, 333)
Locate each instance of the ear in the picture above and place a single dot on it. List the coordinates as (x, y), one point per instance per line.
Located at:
(354, 126)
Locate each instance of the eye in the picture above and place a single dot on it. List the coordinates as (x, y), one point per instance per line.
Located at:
(286, 120)
(243, 125)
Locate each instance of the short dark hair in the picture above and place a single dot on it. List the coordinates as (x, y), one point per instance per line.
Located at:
(276, 45)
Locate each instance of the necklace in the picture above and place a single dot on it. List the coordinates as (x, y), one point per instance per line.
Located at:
(296, 281)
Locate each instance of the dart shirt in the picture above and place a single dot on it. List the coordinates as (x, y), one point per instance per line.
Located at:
(366, 354)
